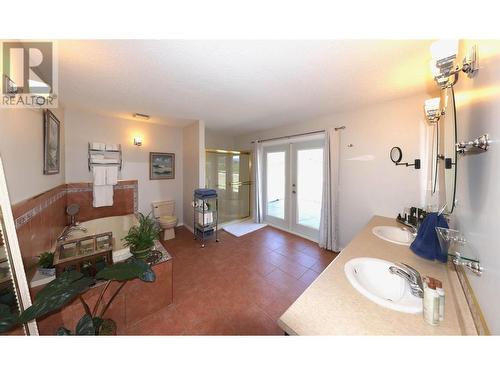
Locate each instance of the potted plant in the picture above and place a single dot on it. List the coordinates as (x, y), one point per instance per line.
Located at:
(46, 264)
(70, 285)
(141, 238)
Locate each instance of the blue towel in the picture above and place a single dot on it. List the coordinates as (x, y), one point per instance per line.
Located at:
(426, 244)
(206, 193)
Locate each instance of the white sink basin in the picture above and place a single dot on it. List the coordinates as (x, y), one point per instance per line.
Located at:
(371, 278)
(393, 234)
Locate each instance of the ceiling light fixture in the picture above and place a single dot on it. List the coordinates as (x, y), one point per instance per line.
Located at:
(444, 54)
(141, 116)
(432, 110)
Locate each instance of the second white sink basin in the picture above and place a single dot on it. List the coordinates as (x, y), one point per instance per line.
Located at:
(393, 234)
(371, 278)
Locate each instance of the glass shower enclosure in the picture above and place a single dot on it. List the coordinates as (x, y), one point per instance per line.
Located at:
(229, 173)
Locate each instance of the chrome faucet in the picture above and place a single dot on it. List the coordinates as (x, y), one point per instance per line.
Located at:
(412, 229)
(70, 229)
(411, 275)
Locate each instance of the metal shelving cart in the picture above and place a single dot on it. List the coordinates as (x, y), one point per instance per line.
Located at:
(205, 216)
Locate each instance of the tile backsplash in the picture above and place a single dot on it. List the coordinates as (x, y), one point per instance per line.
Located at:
(41, 219)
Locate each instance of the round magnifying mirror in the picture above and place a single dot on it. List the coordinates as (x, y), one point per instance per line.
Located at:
(396, 155)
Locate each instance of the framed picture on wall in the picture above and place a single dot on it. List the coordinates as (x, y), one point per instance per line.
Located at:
(51, 143)
(161, 166)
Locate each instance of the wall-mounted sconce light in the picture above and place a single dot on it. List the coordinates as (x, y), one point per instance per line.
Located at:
(137, 141)
(444, 53)
(141, 116)
(432, 110)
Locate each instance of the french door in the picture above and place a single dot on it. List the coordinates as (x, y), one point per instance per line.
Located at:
(292, 186)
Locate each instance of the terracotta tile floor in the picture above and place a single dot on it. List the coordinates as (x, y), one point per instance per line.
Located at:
(239, 286)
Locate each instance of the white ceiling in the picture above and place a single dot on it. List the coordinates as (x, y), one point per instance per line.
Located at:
(238, 86)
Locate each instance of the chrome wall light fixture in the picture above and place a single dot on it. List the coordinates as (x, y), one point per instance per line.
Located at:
(443, 67)
(432, 110)
(137, 141)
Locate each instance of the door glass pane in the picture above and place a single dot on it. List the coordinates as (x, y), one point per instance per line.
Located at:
(275, 184)
(309, 186)
(230, 175)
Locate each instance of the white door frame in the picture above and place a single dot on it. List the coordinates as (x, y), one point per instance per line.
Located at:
(290, 147)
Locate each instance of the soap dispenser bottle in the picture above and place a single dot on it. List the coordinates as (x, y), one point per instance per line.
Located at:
(431, 301)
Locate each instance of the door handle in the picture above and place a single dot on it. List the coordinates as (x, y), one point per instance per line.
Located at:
(293, 191)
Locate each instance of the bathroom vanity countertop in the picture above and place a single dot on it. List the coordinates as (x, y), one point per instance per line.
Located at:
(331, 306)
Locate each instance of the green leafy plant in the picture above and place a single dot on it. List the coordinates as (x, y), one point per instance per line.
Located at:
(69, 286)
(141, 238)
(46, 260)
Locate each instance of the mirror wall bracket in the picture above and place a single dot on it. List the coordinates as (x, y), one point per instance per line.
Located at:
(480, 144)
(416, 164)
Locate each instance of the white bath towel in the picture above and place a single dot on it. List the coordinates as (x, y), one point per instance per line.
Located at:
(104, 160)
(103, 196)
(99, 174)
(98, 146)
(112, 175)
(112, 147)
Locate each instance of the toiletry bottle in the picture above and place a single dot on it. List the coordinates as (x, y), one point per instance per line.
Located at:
(431, 301)
(440, 292)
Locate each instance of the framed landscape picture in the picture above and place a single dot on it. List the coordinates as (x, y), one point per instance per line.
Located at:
(161, 166)
(51, 143)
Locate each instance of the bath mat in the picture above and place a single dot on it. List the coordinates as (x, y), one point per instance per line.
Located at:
(240, 229)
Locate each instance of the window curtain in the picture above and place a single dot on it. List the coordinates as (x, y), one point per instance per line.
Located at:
(329, 227)
(257, 175)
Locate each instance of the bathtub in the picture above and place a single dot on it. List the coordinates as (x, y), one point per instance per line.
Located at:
(118, 225)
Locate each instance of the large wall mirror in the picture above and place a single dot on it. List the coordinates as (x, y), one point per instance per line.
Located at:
(14, 292)
(448, 138)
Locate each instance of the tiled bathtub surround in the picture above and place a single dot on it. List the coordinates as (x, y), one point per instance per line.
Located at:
(134, 303)
(124, 200)
(41, 219)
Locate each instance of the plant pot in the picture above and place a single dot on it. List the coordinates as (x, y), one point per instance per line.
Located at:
(47, 271)
(141, 254)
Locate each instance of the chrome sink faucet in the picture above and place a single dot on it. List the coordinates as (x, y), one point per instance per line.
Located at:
(411, 275)
(407, 226)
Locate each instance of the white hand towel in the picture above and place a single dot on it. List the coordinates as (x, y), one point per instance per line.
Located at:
(99, 174)
(103, 196)
(112, 175)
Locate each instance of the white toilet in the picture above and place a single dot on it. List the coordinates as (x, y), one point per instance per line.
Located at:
(164, 212)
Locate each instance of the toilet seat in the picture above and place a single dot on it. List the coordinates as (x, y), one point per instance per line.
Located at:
(164, 213)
